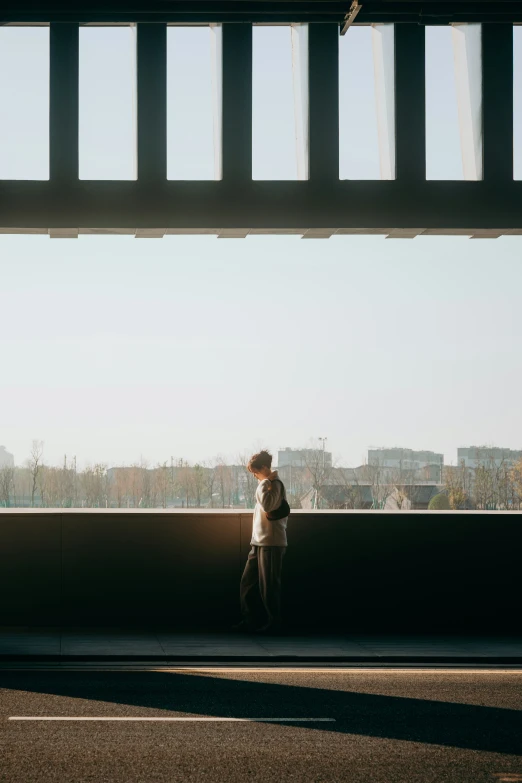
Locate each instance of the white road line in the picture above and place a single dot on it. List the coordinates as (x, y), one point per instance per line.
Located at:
(176, 720)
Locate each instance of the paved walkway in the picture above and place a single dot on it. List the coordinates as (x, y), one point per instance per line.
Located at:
(119, 644)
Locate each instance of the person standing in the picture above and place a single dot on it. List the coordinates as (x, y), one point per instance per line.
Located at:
(260, 587)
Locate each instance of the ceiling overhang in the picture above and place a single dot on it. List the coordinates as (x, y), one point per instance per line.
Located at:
(259, 11)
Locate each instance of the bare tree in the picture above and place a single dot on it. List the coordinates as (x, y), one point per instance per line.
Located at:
(34, 465)
(22, 486)
(404, 486)
(210, 479)
(505, 488)
(120, 486)
(318, 467)
(162, 482)
(64, 490)
(249, 482)
(297, 483)
(148, 487)
(349, 480)
(49, 487)
(516, 479)
(7, 473)
(135, 486)
(223, 480)
(378, 479)
(198, 483)
(457, 485)
(494, 482)
(485, 493)
(96, 486)
(184, 481)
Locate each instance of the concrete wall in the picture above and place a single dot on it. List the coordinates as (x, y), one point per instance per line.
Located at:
(352, 571)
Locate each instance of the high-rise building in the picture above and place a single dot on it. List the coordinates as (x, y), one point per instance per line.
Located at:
(404, 459)
(6, 458)
(474, 456)
(300, 458)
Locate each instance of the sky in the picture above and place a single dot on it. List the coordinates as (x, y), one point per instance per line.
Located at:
(118, 350)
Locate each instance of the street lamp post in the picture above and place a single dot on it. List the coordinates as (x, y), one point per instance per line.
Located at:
(323, 440)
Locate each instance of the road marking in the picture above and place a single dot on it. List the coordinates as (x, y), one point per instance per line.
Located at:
(507, 777)
(177, 720)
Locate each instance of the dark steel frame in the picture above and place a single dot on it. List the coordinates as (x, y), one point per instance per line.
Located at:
(259, 11)
(238, 202)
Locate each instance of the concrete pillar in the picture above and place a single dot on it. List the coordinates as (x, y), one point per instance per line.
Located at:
(383, 45)
(467, 54)
(299, 37)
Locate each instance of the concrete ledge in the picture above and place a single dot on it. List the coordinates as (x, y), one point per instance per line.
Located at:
(55, 645)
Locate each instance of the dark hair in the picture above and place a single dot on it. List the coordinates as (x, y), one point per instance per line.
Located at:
(258, 461)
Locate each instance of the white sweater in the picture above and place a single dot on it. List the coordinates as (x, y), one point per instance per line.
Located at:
(269, 497)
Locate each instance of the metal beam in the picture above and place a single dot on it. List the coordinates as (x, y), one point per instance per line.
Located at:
(152, 103)
(410, 103)
(63, 104)
(238, 205)
(323, 42)
(497, 55)
(260, 11)
(201, 205)
(237, 103)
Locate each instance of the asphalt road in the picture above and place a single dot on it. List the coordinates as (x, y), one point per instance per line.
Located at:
(384, 726)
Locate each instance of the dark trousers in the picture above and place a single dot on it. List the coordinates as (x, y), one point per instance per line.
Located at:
(260, 589)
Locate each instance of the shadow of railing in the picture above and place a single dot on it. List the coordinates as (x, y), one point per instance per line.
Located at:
(450, 724)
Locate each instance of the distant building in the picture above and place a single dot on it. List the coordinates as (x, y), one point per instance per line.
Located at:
(6, 459)
(338, 496)
(299, 458)
(405, 459)
(474, 456)
(412, 497)
(362, 495)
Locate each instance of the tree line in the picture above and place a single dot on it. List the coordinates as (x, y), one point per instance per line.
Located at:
(490, 485)
(217, 483)
(174, 483)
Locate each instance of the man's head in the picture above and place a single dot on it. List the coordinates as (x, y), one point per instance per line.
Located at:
(260, 465)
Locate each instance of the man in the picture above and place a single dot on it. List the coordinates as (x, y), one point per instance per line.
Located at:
(261, 580)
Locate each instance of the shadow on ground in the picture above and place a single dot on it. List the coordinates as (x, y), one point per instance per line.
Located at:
(467, 726)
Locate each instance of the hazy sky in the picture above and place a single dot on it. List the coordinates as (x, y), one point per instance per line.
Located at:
(114, 348)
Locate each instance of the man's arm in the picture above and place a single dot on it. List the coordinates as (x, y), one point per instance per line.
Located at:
(270, 494)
